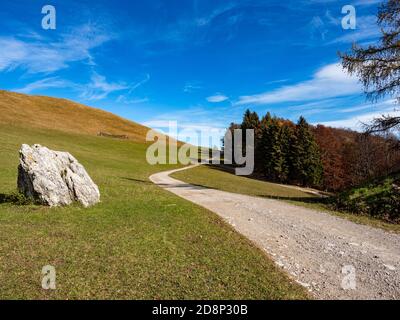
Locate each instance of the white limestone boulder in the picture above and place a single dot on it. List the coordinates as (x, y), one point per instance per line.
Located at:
(54, 178)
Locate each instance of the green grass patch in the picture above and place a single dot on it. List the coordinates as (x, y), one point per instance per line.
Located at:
(379, 198)
(216, 178)
(140, 242)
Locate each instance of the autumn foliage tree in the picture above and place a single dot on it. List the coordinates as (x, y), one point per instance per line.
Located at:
(331, 145)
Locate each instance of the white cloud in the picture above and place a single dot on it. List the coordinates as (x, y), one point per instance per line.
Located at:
(367, 29)
(139, 83)
(127, 99)
(206, 20)
(38, 55)
(191, 87)
(356, 122)
(386, 105)
(217, 98)
(317, 26)
(99, 88)
(52, 82)
(123, 99)
(328, 82)
(12, 53)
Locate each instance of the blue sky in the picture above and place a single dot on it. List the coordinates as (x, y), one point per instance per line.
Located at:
(199, 62)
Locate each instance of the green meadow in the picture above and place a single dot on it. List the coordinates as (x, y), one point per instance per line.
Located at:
(140, 242)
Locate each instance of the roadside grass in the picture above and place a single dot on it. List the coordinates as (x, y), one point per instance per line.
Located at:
(141, 242)
(216, 178)
(377, 198)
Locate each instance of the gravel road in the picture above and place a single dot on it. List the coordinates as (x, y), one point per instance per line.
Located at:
(332, 257)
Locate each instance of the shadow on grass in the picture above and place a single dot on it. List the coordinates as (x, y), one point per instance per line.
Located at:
(223, 167)
(15, 199)
(177, 185)
(137, 180)
(308, 200)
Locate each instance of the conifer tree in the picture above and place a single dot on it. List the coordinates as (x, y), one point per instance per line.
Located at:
(305, 160)
(273, 147)
(266, 120)
(226, 149)
(261, 147)
(286, 138)
(251, 121)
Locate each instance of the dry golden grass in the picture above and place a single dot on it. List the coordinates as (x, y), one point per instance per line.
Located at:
(64, 115)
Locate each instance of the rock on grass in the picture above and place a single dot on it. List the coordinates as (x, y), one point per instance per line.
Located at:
(54, 178)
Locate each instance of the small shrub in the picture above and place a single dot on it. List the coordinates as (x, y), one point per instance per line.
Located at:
(16, 198)
(382, 202)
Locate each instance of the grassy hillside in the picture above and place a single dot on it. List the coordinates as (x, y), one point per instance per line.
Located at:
(64, 115)
(141, 242)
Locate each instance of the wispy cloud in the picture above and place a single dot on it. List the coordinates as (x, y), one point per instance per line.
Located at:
(47, 83)
(357, 121)
(328, 82)
(99, 88)
(139, 83)
(123, 99)
(207, 19)
(277, 81)
(192, 30)
(127, 98)
(317, 26)
(38, 55)
(387, 105)
(191, 87)
(367, 30)
(217, 98)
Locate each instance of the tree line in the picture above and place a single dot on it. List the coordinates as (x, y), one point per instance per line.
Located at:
(318, 156)
(284, 152)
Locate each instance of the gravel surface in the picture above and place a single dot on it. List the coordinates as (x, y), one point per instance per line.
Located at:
(332, 257)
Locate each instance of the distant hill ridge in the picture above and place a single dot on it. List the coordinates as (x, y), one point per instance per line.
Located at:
(64, 115)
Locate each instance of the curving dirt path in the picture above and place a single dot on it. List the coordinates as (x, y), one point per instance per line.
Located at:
(333, 257)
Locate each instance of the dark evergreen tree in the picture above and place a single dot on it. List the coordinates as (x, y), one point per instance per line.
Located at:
(305, 159)
(287, 133)
(251, 121)
(230, 131)
(275, 147)
(266, 120)
(260, 144)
